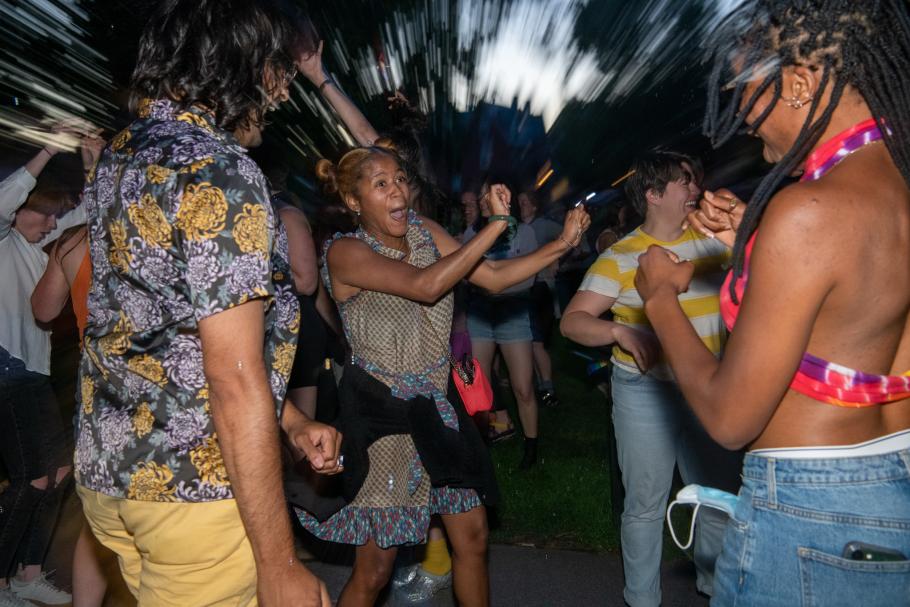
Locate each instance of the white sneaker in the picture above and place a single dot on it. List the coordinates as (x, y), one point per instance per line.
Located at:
(8, 599)
(40, 590)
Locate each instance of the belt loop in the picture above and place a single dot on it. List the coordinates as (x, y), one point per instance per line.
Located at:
(905, 457)
(772, 482)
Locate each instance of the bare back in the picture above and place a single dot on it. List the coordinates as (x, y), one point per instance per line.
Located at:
(863, 320)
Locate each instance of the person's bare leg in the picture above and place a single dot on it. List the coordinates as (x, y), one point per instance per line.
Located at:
(304, 399)
(372, 569)
(470, 576)
(519, 358)
(89, 583)
(484, 351)
(542, 362)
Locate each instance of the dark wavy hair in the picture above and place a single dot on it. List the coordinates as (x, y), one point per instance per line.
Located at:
(215, 53)
(861, 43)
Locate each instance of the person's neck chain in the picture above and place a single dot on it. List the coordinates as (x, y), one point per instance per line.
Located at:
(830, 153)
(403, 247)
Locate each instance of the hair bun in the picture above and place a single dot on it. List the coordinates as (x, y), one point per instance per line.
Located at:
(386, 143)
(326, 172)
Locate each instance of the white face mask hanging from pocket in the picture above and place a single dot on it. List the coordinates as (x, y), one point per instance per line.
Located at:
(700, 496)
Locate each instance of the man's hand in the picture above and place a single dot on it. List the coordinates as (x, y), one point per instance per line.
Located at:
(319, 443)
(310, 65)
(90, 148)
(291, 586)
(644, 347)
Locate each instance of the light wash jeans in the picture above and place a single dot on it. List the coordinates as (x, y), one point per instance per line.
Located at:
(785, 543)
(655, 431)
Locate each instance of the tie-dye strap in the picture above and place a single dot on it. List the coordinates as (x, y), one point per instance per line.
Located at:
(845, 387)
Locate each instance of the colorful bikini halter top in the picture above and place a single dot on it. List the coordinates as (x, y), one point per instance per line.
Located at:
(818, 378)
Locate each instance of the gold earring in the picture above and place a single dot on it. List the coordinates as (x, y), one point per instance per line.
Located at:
(797, 103)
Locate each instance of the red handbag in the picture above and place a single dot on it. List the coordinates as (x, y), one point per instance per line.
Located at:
(472, 385)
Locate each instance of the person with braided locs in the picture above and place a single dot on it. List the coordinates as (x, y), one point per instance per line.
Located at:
(814, 376)
(410, 449)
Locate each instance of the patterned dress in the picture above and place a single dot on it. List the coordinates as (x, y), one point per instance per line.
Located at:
(392, 340)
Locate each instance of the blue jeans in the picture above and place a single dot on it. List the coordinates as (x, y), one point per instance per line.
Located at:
(655, 431)
(784, 546)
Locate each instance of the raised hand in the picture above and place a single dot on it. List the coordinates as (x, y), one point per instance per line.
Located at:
(575, 225)
(718, 215)
(310, 65)
(499, 197)
(90, 147)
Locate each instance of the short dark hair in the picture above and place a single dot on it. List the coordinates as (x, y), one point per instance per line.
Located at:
(654, 170)
(215, 53)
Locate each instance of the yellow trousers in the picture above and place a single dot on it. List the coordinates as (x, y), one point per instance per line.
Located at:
(176, 554)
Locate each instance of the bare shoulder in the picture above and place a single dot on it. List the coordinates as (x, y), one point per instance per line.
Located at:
(345, 249)
(808, 216)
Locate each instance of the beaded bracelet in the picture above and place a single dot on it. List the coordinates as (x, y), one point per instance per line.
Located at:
(513, 223)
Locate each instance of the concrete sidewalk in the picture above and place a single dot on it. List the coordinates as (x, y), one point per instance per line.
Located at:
(520, 576)
(535, 577)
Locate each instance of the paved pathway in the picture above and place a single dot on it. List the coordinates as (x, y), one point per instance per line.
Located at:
(520, 576)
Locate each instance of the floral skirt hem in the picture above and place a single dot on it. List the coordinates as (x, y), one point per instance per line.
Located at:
(391, 526)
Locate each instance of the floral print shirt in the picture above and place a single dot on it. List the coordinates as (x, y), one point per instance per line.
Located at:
(180, 228)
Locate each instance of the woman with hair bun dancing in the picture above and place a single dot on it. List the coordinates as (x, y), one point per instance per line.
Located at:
(814, 376)
(410, 449)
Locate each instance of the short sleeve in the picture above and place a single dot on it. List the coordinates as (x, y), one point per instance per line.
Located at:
(226, 229)
(603, 277)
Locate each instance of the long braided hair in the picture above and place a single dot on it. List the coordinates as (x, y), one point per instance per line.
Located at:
(864, 44)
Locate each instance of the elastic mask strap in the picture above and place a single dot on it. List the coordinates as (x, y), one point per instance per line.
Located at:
(691, 526)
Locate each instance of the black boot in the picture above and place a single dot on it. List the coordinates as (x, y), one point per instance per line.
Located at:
(530, 455)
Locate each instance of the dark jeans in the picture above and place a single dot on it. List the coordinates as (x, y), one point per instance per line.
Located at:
(33, 444)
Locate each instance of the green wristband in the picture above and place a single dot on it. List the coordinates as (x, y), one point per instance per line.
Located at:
(513, 223)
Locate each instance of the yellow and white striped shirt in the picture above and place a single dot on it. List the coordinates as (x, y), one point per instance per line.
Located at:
(613, 275)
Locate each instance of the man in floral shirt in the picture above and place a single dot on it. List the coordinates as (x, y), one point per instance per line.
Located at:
(193, 323)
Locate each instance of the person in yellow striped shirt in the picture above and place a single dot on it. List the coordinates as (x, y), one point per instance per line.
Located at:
(655, 429)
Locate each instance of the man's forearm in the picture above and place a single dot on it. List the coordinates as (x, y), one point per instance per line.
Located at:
(38, 162)
(247, 427)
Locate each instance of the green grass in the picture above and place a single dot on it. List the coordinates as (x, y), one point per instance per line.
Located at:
(565, 500)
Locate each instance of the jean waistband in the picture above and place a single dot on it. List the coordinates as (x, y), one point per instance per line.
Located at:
(832, 465)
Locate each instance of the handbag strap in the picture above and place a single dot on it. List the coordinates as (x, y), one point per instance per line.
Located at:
(454, 363)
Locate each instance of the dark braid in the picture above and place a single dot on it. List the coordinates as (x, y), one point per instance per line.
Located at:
(862, 44)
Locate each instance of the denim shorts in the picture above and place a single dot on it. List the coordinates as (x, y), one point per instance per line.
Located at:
(504, 319)
(785, 544)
